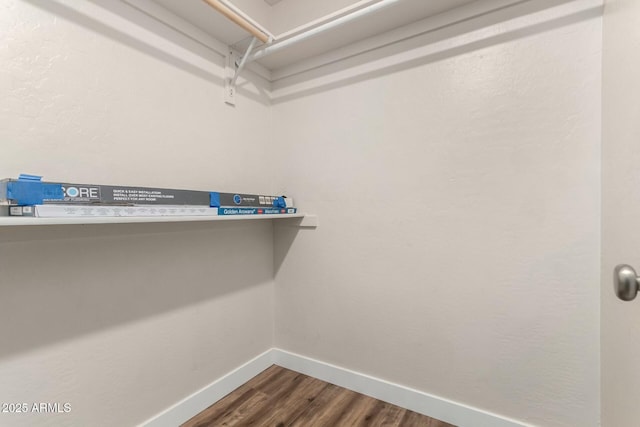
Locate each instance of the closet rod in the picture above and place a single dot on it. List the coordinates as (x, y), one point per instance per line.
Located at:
(276, 46)
(327, 18)
(252, 21)
(239, 20)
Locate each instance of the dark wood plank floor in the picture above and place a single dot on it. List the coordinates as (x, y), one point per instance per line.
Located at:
(279, 397)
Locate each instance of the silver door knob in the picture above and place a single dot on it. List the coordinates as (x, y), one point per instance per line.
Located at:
(626, 282)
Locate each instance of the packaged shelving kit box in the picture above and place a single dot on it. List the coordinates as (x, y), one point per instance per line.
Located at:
(31, 190)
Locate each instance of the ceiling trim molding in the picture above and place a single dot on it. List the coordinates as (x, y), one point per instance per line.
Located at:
(517, 24)
(287, 80)
(430, 24)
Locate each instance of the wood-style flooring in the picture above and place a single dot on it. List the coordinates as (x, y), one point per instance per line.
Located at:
(279, 397)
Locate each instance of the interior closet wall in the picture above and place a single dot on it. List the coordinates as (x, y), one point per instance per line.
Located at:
(458, 197)
(123, 321)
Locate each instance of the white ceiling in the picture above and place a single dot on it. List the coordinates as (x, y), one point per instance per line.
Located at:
(282, 15)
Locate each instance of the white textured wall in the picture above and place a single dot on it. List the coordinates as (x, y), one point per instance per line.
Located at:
(123, 321)
(620, 210)
(458, 196)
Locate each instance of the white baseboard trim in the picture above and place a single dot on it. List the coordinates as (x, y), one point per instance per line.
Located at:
(202, 399)
(417, 401)
(446, 410)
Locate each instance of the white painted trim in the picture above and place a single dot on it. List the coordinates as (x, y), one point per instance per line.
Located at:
(323, 20)
(405, 397)
(280, 76)
(415, 400)
(518, 24)
(430, 24)
(19, 221)
(202, 399)
(337, 22)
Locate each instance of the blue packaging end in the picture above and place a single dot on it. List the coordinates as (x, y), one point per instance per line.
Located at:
(214, 199)
(27, 177)
(280, 202)
(31, 192)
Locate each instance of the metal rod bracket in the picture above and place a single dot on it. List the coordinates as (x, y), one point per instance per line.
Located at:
(229, 72)
(233, 69)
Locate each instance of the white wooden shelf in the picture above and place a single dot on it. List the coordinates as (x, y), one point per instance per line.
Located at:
(306, 220)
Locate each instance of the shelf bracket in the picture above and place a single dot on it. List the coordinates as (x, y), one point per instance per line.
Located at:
(233, 69)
